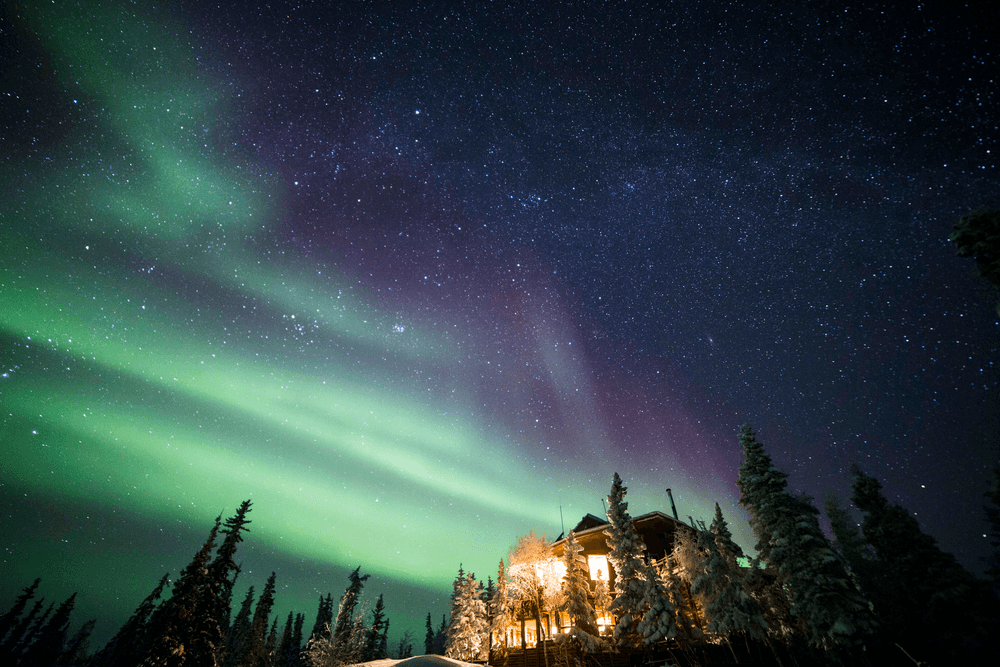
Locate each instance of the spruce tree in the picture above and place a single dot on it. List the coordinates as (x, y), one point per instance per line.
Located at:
(441, 636)
(658, 622)
(285, 645)
(271, 646)
(467, 632)
(928, 603)
(993, 517)
(501, 612)
(376, 631)
(429, 637)
(132, 641)
(730, 610)
(20, 635)
(224, 570)
(456, 591)
(239, 632)
(9, 620)
(324, 617)
(626, 557)
(254, 652)
(297, 634)
(49, 642)
(76, 647)
(833, 612)
(584, 635)
(348, 601)
(176, 625)
(688, 627)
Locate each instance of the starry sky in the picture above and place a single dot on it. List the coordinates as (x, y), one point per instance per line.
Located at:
(418, 278)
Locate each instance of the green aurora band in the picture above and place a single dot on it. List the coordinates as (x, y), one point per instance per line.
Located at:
(148, 358)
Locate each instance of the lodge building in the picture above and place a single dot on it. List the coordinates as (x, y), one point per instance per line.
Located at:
(657, 531)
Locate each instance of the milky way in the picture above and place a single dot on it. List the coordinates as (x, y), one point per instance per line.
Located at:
(417, 281)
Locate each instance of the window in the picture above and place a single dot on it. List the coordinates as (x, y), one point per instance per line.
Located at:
(598, 564)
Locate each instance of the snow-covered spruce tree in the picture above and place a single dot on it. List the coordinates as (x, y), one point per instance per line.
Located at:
(584, 635)
(730, 610)
(501, 613)
(626, 557)
(689, 628)
(468, 633)
(354, 649)
(319, 650)
(602, 599)
(658, 623)
(833, 612)
(348, 601)
(456, 592)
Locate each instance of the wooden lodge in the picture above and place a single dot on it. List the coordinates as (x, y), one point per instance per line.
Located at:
(657, 531)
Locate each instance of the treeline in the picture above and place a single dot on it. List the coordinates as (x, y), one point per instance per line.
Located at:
(881, 592)
(194, 626)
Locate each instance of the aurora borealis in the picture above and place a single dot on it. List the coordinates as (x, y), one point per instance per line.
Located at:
(413, 278)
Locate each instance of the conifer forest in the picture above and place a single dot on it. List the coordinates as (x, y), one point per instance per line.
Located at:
(878, 592)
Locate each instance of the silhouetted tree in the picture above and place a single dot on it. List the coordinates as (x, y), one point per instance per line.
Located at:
(977, 235)
(441, 636)
(404, 649)
(374, 649)
(324, 617)
(20, 635)
(9, 620)
(255, 651)
(223, 571)
(132, 641)
(49, 642)
(181, 635)
(239, 632)
(429, 637)
(927, 602)
(993, 516)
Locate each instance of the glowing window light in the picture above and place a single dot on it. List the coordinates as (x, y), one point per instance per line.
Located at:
(598, 564)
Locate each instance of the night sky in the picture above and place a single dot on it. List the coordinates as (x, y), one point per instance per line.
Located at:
(415, 278)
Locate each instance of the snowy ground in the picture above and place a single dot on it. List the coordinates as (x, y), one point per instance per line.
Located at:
(419, 661)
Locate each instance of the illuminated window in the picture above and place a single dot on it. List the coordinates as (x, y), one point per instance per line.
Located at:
(598, 567)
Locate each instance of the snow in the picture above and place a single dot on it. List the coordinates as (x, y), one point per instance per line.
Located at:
(419, 661)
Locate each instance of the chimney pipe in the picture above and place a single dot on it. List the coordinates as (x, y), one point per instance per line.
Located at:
(673, 508)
